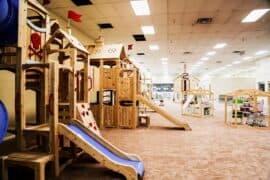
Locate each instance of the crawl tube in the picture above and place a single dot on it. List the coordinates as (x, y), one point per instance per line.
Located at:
(8, 22)
(3, 121)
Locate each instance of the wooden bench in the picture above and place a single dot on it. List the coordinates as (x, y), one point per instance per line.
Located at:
(146, 118)
(35, 161)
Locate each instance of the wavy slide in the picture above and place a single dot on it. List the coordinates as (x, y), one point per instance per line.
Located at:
(163, 113)
(131, 166)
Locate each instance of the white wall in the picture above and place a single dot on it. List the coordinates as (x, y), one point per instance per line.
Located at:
(222, 85)
(263, 72)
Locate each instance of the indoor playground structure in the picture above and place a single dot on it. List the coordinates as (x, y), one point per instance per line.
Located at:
(116, 89)
(55, 65)
(195, 100)
(248, 107)
(134, 89)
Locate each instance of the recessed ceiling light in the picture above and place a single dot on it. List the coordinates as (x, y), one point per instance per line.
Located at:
(236, 62)
(247, 58)
(220, 45)
(254, 15)
(148, 30)
(200, 63)
(228, 65)
(164, 62)
(261, 52)
(205, 58)
(153, 47)
(164, 59)
(140, 7)
(211, 53)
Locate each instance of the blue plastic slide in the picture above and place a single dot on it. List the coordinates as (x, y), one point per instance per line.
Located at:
(3, 121)
(8, 22)
(93, 145)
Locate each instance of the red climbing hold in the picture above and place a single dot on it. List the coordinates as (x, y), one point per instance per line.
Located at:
(83, 113)
(83, 106)
(90, 124)
(95, 127)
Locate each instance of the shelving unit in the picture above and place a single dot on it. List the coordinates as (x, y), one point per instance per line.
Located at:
(247, 109)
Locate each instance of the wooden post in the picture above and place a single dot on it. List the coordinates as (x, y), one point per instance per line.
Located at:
(134, 98)
(20, 76)
(20, 99)
(101, 105)
(236, 109)
(117, 89)
(53, 114)
(73, 82)
(86, 80)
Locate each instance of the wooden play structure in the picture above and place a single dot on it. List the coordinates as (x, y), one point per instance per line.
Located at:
(55, 65)
(195, 101)
(115, 102)
(249, 107)
(117, 92)
(198, 103)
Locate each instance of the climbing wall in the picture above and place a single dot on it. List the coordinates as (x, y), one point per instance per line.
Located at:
(85, 115)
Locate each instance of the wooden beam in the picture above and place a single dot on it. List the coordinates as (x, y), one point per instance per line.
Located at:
(53, 115)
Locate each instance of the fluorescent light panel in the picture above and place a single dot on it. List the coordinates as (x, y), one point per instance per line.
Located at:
(164, 63)
(220, 45)
(164, 59)
(148, 30)
(154, 47)
(211, 53)
(261, 52)
(236, 62)
(200, 63)
(205, 58)
(140, 7)
(254, 15)
(247, 58)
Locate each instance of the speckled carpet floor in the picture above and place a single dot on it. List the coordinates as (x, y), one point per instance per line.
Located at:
(211, 150)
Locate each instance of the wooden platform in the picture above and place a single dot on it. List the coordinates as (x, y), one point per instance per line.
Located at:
(35, 161)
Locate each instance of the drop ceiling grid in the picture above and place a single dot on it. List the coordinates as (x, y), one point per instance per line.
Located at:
(175, 29)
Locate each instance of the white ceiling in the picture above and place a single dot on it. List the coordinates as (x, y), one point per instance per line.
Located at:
(176, 31)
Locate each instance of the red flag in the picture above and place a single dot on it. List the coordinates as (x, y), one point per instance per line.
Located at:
(74, 16)
(130, 46)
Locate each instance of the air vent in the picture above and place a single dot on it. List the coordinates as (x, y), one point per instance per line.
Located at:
(140, 54)
(82, 2)
(141, 62)
(139, 37)
(182, 62)
(204, 20)
(242, 52)
(218, 62)
(105, 25)
(187, 52)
